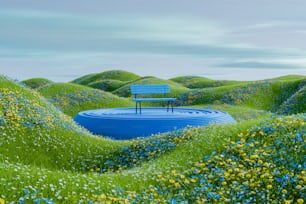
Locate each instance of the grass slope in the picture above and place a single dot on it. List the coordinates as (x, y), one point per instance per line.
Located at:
(112, 74)
(73, 98)
(108, 85)
(264, 95)
(36, 83)
(208, 164)
(296, 103)
(195, 82)
(175, 88)
(34, 132)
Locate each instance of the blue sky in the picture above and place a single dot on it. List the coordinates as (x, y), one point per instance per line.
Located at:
(220, 39)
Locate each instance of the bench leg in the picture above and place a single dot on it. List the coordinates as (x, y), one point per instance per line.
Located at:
(140, 107)
(136, 107)
(168, 104)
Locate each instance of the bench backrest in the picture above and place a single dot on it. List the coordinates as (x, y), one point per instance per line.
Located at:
(150, 89)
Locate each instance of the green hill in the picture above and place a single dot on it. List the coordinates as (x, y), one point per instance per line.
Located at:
(112, 74)
(264, 95)
(73, 98)
(195, 82)
(108, 85)
(175, 88)
(34, 132)
(295, 103)
(35, 83)
(290, 77)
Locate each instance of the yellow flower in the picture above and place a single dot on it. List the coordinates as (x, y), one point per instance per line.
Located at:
(2, 201)
(287, 201)
(284, 191)
(102, 196)
(269, 186)
(182, 176)
(300, 200)
(172, 181)
(193, 180)
(224, 183)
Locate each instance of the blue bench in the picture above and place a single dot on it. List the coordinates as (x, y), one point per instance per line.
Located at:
(151, 89)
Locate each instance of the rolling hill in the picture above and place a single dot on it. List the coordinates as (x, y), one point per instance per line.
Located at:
(34, 132)
(112, 74)
(46, 158)
(265, 95)
(197, 82)
(73, 98)
(36, 83)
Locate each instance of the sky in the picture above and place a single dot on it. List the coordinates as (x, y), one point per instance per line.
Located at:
(221, 39)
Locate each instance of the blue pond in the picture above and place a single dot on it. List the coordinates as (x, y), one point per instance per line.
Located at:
(124, 123)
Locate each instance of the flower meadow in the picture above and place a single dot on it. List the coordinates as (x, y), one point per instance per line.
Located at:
(46, 158)
(265, 165)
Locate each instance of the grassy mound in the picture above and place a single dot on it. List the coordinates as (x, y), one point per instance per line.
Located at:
(112, 74)
(35, 83)
(108, 85)
(34, 132)
(246, 162)
(264, 95)
(296, 103)
(195, 82)
(290, 78)
(175, 88)
(73, 98)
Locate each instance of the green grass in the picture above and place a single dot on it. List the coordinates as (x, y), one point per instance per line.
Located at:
(46, 157)
(72, 98)
(108, 85)
(264, 95)
(35, 83)
(290, 77)
(34, 132)
(112, 74)
(196, 82)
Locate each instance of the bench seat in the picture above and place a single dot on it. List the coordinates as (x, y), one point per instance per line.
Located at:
(152, 99)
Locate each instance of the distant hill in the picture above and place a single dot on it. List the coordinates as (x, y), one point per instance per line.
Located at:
(112, 74)
(108, 85)
(195, 82)
(35, 83)
(175, 88)
(289, 78)
(73, 98)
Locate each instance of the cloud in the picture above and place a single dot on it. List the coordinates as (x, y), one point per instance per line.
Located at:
(29, 33)
(54, 41)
